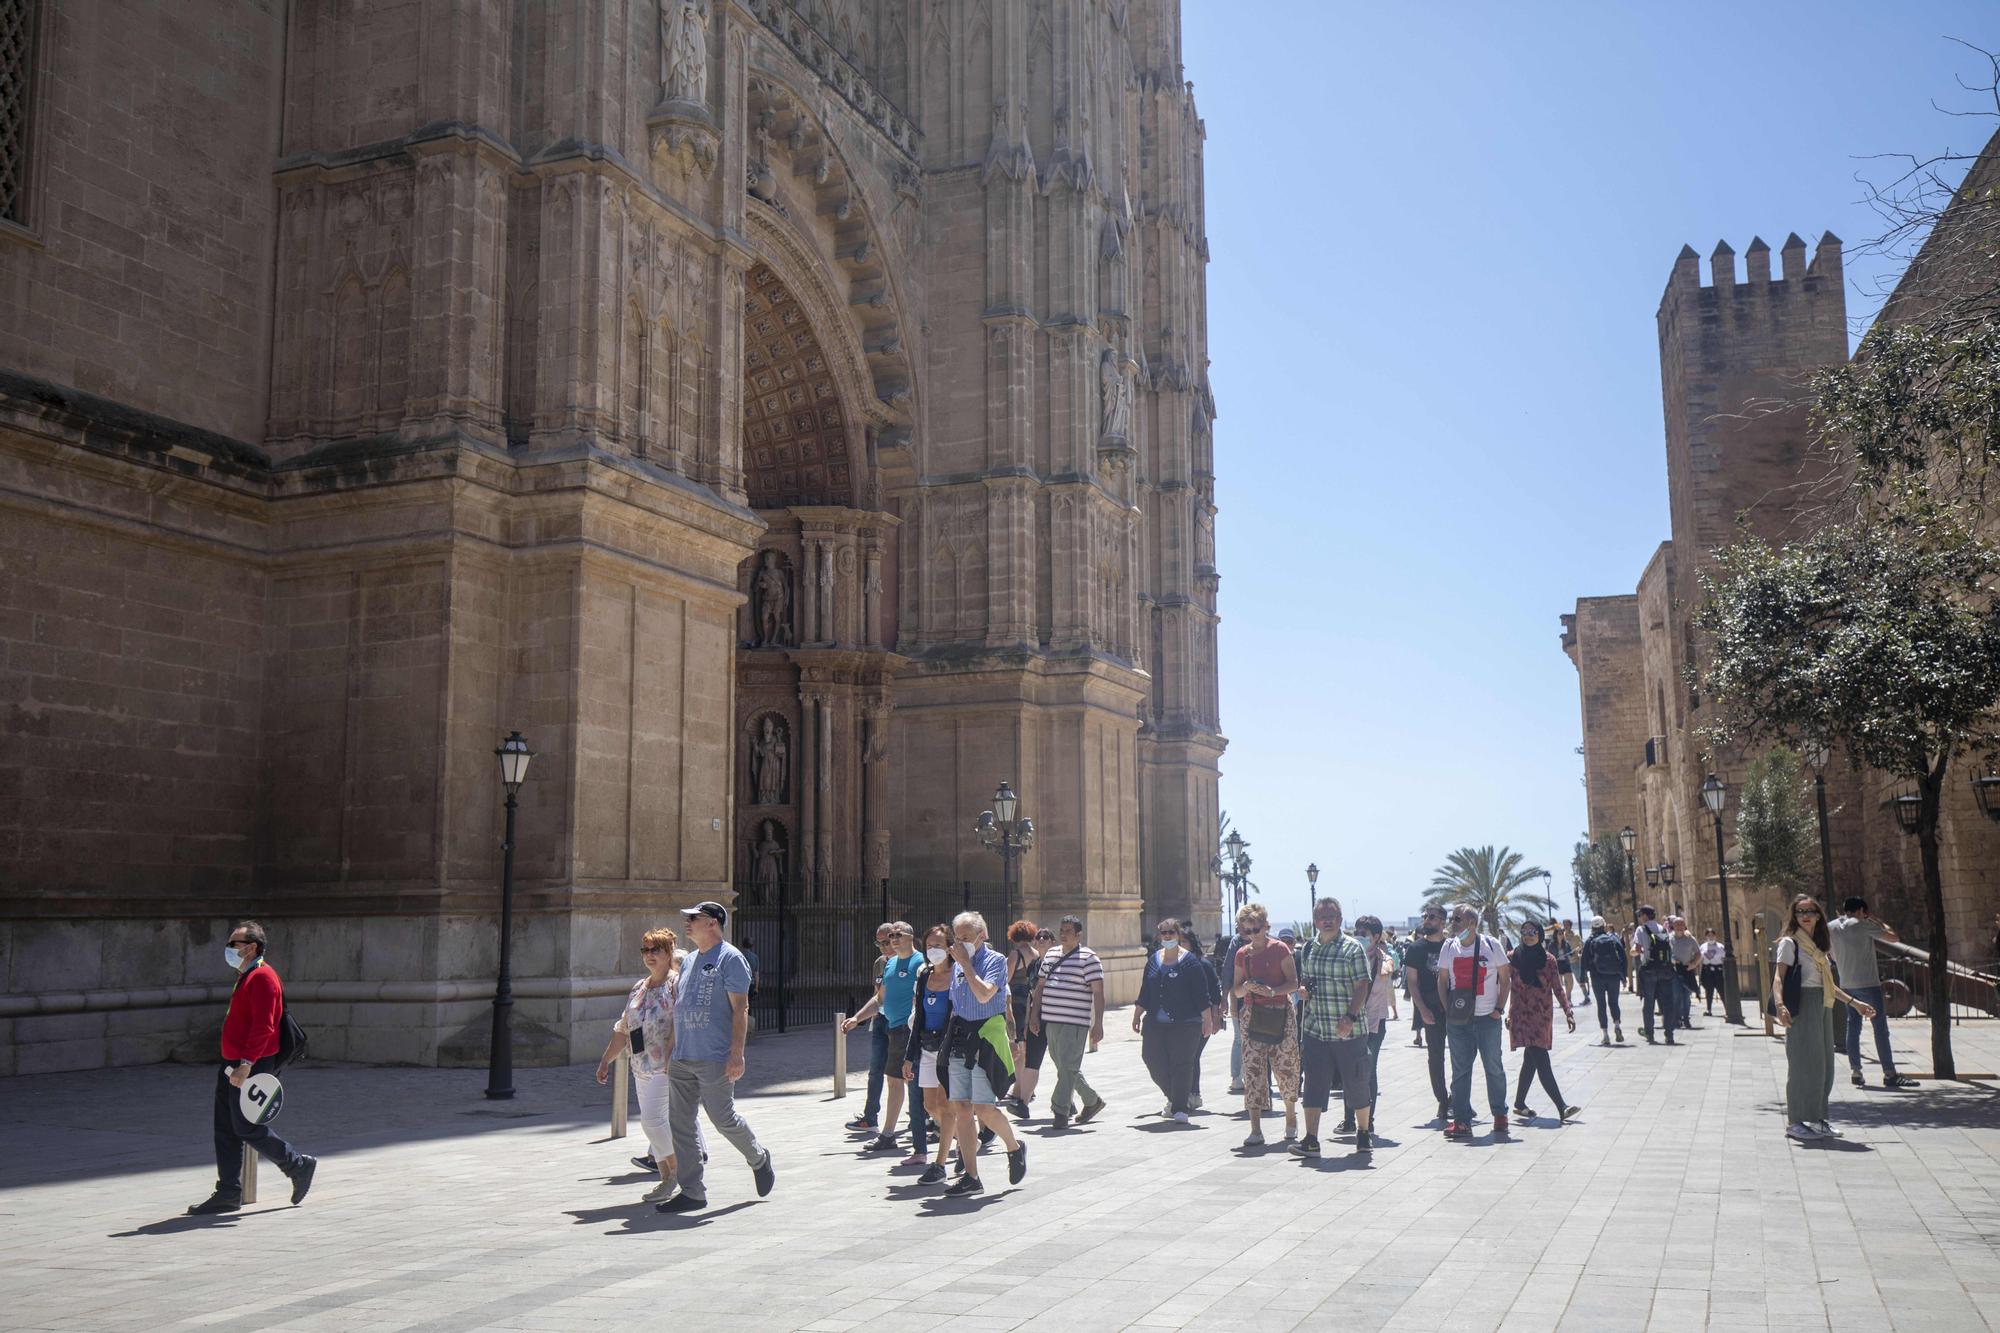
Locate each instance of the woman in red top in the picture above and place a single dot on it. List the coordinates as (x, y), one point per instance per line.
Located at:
(1538, 985)
(1266, 980)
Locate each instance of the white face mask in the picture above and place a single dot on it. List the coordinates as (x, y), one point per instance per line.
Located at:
(233, 958)
(934, 956)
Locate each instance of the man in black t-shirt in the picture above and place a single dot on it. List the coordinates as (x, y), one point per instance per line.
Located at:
(1420, 957)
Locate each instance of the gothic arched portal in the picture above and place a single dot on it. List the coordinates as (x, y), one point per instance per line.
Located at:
(795, 430)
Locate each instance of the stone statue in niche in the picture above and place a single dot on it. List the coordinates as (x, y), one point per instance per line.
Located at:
(768, 758)
(768, 871)
(1117, 391)
(772, 592)
(684, 51)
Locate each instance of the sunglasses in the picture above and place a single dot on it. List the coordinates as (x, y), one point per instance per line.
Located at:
(235, 943)
(1043, 935)
(652, 948)
(1253, 930)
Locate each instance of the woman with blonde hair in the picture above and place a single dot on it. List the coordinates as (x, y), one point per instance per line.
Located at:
(1266, 980)
(646, 1028)
(1805, 994)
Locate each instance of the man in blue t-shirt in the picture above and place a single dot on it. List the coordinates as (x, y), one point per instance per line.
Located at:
(705, 1055)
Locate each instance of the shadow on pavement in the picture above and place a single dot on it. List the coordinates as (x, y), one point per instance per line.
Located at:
(642, 1218)
(174, 1225)
(971, 1204)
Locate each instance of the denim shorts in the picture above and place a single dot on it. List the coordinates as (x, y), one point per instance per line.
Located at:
(968, 1083)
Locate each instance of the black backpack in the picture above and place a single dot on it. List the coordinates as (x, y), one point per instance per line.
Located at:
(1659, 949)
(292, 1039)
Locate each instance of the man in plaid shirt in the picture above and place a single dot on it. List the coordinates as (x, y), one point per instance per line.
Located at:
(1333, 1033)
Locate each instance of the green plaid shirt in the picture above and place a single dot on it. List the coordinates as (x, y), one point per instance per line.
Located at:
(1333, 974)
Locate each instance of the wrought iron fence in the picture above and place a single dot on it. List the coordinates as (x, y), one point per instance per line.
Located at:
(814, 941)
(1972, 991)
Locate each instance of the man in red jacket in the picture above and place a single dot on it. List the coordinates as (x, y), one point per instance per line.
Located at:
(249, 1046)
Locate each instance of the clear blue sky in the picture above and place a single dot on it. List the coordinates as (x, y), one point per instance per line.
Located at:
(1440, 232)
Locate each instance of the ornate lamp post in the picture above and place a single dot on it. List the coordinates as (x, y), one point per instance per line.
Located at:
(1714, 795)
(1312, 891)
(1549, 893)
(1008, 836)
(1629, 840)
(514, 755)
(1817, 754)
(1235, 872)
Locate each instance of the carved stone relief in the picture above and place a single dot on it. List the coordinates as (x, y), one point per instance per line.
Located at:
(770, 761)
(771, 596)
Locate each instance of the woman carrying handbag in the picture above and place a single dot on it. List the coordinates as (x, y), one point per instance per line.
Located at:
(1266, 980)
(1805, 994)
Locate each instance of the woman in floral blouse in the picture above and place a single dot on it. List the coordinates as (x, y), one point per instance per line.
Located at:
(646, 1029)
(1538, 985)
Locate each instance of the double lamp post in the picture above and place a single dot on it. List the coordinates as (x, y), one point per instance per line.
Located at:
(1006, 835)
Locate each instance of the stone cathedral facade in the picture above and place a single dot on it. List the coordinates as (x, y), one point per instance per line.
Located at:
(791, 415)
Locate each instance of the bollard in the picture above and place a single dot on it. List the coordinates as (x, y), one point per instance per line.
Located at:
(249, 1174)
(1763, 974)
(839, 1056)
(621, 1085)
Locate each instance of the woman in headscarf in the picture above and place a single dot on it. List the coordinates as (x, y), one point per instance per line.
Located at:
(1805, 993)
(1538, 987)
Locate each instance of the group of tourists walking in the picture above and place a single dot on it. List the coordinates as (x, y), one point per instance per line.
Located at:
(960, 1031)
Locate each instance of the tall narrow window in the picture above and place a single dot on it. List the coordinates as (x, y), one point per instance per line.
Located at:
(17, 48)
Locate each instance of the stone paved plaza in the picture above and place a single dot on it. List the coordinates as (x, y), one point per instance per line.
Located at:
(1673, 1203)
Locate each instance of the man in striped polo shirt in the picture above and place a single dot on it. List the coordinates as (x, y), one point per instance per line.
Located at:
(1067, 1007)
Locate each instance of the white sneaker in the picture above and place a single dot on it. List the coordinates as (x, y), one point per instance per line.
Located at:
(1801, 1131)
(1181, 1118)
(661, 1192)
(1167, 1110)
(1194, 1101)
(1255, 1139)
(1826, 1131)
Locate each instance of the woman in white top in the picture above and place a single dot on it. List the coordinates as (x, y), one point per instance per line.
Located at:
(1712, 954)
(646, 1029)
(1805, 994)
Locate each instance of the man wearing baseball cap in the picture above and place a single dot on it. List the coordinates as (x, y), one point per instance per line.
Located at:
(1604, 963)
(711, 1021)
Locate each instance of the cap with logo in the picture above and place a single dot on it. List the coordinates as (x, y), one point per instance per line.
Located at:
(714, 910)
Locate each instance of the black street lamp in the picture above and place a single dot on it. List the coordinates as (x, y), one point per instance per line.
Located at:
(1629, 840)
(1010, 837)
(1986, 788)
(1235, 872)
(1817, 754)
(1909, 807)
(1714, 795)
(1312, 890)
(514, 755)
(1652, 877)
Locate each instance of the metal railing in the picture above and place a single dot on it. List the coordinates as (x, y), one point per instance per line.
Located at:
(1970, 991)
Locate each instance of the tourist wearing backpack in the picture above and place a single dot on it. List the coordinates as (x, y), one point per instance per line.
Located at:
(1604, 964)
(257, 1038)
(1653, 950)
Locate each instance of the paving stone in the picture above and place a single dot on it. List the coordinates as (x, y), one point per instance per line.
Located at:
(436, 1210)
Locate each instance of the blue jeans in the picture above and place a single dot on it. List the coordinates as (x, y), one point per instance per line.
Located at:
(1870, 995)
(878, 1062)
(1480, 1037)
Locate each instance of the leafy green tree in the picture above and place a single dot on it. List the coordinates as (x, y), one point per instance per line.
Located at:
(1777, 831)
(1881, 633)
(1599, 869)
(1490, 882)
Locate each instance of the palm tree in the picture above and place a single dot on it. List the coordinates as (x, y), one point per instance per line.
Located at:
(1489, 882)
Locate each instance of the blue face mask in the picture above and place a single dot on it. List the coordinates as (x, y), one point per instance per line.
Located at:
(234, 959)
